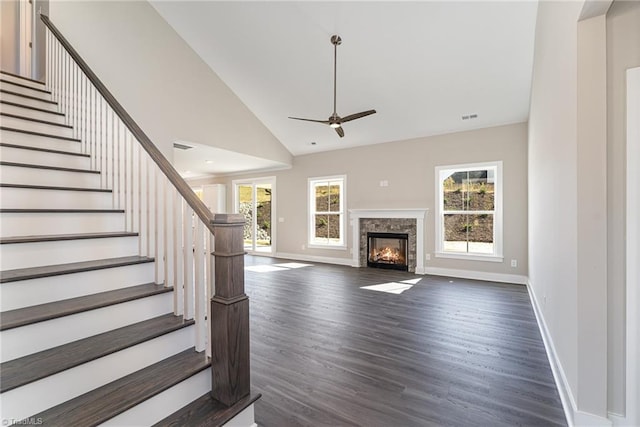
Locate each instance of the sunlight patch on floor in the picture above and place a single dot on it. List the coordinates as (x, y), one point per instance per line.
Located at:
(264, 268)
(293, 265)
(268, 268)
(391, 287)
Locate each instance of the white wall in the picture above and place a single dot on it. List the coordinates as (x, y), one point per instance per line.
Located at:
(10, 40)
(552, 158)
(576, 139)
(156, 76)
(623, 52)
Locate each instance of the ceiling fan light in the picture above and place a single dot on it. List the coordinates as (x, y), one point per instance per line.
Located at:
(334, 125)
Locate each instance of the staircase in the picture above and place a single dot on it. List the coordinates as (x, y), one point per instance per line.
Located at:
(90, 331)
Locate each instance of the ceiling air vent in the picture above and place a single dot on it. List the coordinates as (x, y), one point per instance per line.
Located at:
(181, 146)
(469, 116)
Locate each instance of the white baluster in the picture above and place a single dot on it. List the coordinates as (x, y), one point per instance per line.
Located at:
(143, 202)
(151, 202)
(210, 267)
(159, 224)
(169, 242)
(135, 186)
(200, 287)
(187, 221)
(178, 256)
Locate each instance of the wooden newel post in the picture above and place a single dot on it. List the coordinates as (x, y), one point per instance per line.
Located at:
(229, 313)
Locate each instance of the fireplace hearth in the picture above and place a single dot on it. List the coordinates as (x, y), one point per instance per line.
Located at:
(387, 250)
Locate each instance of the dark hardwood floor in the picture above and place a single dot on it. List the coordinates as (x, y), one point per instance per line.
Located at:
(454, 352)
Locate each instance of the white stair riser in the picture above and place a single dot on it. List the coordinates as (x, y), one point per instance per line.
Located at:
(30, 102)
(19, 342)
(36, 176)
(32, 126)
(24, 90)
(25, 293)
(25, 82)
(19, 138)
(43, 199)
(33, 224)
(35, 397)
(25, 255)
(166, 403)
(34, 114)
(19, 155)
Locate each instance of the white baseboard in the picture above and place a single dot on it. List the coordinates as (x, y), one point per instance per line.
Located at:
(586, 419)
(618, 420)
(574, 416)
(314, 258)
(477, 275)
(568, 402)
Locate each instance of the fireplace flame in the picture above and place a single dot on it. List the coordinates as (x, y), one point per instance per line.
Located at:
(387, 255)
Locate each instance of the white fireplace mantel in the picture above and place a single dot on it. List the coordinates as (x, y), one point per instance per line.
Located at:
(418, 214)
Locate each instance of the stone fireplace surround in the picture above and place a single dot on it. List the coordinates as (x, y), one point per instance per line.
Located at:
(410, 221)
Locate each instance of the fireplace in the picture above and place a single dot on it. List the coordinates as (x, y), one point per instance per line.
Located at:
(387, 250)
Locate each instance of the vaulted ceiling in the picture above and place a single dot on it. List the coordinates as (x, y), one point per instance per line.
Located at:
(421, 65)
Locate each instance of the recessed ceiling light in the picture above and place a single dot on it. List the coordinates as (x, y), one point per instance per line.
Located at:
(208, 161)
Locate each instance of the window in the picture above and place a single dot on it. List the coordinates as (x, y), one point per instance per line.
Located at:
(469, 211)
(326, 212)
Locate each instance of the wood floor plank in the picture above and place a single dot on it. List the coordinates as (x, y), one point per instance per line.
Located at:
(447, 351)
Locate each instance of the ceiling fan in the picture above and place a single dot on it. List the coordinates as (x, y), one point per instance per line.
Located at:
(335, 121)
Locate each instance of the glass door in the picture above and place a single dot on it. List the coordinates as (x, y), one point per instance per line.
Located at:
(254, 199)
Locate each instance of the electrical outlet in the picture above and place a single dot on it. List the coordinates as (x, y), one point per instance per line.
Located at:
(304, 247)
(427, 257)
(280, 219)
(514, 263)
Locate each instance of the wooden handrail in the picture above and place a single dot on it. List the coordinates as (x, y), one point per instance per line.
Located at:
(169, 171)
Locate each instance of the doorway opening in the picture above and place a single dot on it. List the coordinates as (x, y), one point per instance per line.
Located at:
(255, 200)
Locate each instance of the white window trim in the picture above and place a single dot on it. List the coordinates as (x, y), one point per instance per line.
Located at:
(311, 214)
(497, 255)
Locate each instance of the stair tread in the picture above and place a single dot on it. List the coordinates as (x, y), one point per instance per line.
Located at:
(50, 187)
(101, 404)
(25, 86)
(46, 135)
(35, 98)
(54, 168)
(21, 77)
(205, 411)
(57, 237)
(29, 107)
(11, 210)
(46, 150)
(31, 119)
(52, 310)
(27, 369)
(75, 267)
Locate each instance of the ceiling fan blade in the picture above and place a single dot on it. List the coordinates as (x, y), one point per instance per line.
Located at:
(326, 122)
(340, 131)
(357, 116)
